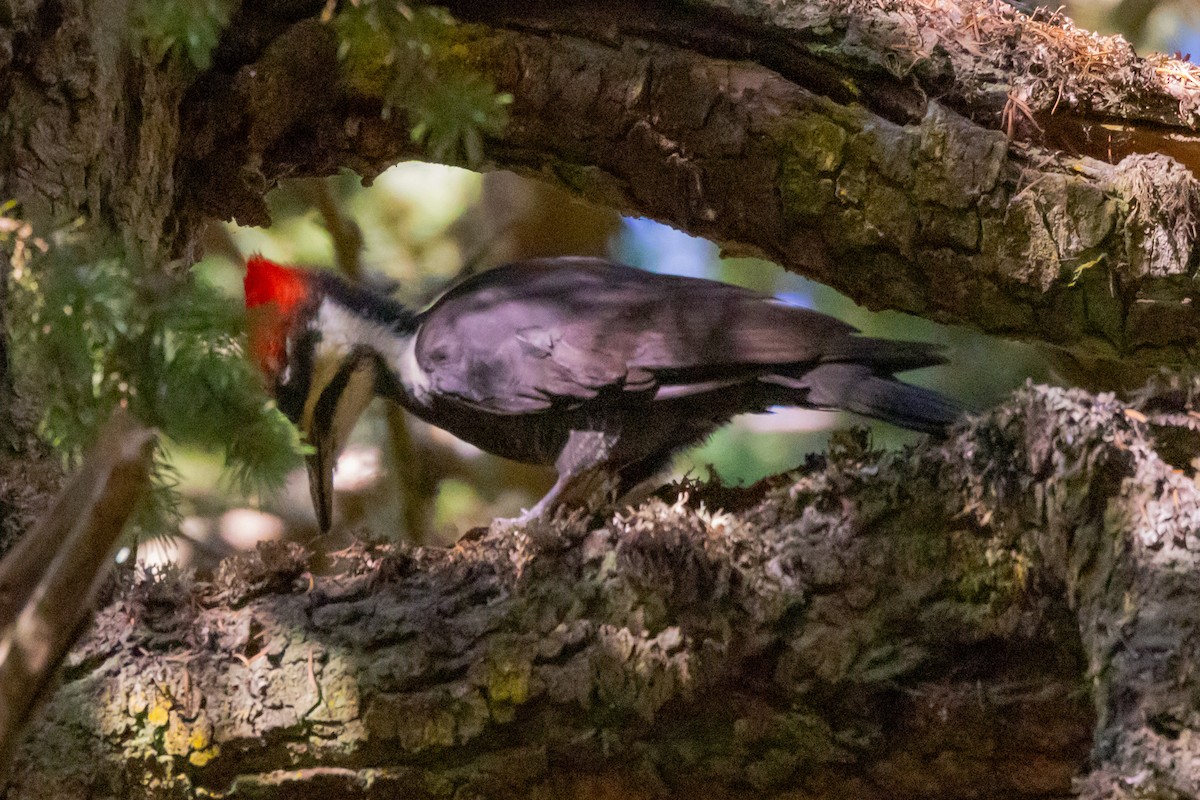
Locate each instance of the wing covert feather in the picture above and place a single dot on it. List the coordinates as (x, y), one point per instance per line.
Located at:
(527, 336)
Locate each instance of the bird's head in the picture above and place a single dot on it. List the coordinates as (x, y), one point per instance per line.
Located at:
(303, 343)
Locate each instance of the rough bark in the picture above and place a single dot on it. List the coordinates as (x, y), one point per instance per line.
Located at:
(845, 139)
(947, 622)
(967, 620)
(29, 471)
(90, 132)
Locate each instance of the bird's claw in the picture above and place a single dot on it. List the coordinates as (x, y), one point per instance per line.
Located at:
(526, 516)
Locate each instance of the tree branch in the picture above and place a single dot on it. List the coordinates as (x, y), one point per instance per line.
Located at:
(49, 580)
(843, 140)
(900, 626)
(824, 634)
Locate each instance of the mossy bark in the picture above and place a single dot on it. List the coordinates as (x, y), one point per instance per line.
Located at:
(971, 619)
(954, 151)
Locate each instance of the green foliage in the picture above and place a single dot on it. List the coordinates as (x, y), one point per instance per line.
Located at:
(413, 58)
(95, 330)
(190, 28)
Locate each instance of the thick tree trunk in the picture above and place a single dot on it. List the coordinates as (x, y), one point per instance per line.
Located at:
(90, 132)
(29, 471)
(972, 619)
(952, 622)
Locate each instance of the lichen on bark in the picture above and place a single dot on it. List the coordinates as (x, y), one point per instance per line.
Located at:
(819, 632)
(952, 621)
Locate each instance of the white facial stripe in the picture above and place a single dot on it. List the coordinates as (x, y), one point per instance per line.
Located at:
(342, 331)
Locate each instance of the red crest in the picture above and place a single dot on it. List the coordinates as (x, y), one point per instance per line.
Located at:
(273, 295)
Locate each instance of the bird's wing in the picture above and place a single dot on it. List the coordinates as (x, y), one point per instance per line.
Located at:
(528, 336)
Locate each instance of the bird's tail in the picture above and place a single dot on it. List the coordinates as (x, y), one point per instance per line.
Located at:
(858, 388)
(883, 355)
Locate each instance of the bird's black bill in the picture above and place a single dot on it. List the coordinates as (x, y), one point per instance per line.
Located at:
(320, 484)
(341, 403)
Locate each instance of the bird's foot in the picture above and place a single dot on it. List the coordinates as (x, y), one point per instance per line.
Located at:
(543, 517)
(526, 516)
(509, 523)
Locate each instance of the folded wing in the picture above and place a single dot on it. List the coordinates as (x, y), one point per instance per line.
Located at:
(529, 336)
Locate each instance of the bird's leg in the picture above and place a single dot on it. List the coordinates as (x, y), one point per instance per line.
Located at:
(637, 482)
(581, 466)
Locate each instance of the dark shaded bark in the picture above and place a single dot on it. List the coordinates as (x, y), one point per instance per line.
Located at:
(88, 133)
(29, 471)
(6, 387)
(946, 623)
(843, 140)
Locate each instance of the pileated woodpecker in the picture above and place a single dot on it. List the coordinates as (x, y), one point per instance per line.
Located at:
(594, 367)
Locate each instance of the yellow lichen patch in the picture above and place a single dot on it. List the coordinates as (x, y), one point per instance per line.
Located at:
(508, 681)
(505, 676)
(198, 758)
(176, 738)
(200, 739)
(159, 715)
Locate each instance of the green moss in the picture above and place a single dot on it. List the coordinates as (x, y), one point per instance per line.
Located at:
(889, 216)
(440, 718)
(959, 163)
(507, 681)
(991, 578)
(990, 575)
(811, 150)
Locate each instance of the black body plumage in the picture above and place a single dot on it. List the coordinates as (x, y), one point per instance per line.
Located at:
(602, 369)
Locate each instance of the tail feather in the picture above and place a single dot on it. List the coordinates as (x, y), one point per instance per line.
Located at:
(857, 388)
(884, 355)
(912, 407)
